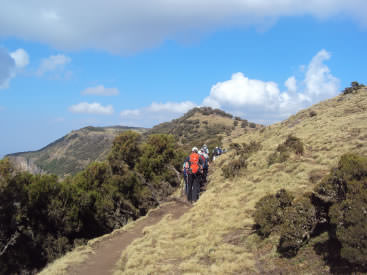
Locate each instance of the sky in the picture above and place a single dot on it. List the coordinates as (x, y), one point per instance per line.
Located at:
(69, 64)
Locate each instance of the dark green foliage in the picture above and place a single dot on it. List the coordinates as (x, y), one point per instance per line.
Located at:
(299, 222)
(350, 221)
(282, 153)
(348, 213)
(234, 167)
(269, 211)
(125, 149)
(235, 123)
(354, 86)
(41, 217)
(252, 125)
(338, 205)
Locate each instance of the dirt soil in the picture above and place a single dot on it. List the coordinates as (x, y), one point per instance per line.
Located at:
(108, 251)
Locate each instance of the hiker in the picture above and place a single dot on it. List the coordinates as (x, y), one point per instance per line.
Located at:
(206, 150)
(194, 176)
(185, 171)
(216, 152)
(205, 158)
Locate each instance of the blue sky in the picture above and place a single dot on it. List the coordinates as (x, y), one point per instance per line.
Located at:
(139, 63)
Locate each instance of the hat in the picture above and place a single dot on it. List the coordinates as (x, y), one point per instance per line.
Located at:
(194, 149)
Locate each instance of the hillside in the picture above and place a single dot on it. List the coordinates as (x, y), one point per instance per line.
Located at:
(71, 153)
(216, 235)
(204, 125)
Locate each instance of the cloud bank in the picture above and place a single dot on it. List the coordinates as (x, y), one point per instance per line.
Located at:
(100, 90)
(129, 26)
(11, 64)
(155, 113)
(91, 108)
(264, 102)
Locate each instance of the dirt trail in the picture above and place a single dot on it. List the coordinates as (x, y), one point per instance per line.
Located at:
(108, 251)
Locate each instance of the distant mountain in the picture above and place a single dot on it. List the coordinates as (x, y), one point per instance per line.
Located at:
(71, 153)
(205, 125)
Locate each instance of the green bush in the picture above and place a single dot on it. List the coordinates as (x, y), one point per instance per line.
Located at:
(282, 153)
(300, 220)
(294, 144)
(125, 149)
(354, 86)
(269, 211)
(349, 218)
(234, 167)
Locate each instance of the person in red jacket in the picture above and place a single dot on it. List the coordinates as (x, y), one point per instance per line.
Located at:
(194, 175)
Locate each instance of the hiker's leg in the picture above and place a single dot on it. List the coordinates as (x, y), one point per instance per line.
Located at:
(189, 187)
(196, 188)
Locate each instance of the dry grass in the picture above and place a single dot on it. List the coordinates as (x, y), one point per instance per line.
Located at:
(215, 236)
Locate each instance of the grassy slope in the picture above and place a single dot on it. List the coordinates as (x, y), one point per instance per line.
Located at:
(214, 236)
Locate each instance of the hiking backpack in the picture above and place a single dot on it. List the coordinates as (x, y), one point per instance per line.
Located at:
(194, 163)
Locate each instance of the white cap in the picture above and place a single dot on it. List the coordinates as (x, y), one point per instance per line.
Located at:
(194, 149)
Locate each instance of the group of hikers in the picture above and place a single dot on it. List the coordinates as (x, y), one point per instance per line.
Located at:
(195, 171)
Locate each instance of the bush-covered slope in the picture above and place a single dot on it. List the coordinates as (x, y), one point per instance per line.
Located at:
(71, 153)
(42, 217)
(204, 125)
(217, 235)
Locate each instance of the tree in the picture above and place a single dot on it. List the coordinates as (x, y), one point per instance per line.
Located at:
(125, 149)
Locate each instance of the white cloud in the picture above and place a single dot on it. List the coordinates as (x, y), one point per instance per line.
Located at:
(320, 83)
(264, 102)
(100, 90)
(291, 84)
(11, 64)
(20, 57)
(155, 113)
(128, 26)
(53, 63)
(91, 108)
(171, 107)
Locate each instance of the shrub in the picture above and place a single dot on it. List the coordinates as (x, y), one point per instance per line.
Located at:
(294, 144)
(251, 148)
(300, 220)
(234, 167)
(350, 221)
(236, 147)
(244, 123)
(354, 87)
(235, 123)
(269, 211)
(125, 149)
(282, 153)
(252, 125)
(312, 113)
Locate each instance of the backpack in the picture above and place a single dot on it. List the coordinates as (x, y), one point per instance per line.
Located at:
(205, 163)
(194, 162)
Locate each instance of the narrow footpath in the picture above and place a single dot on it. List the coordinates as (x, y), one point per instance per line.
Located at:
(108, 251)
